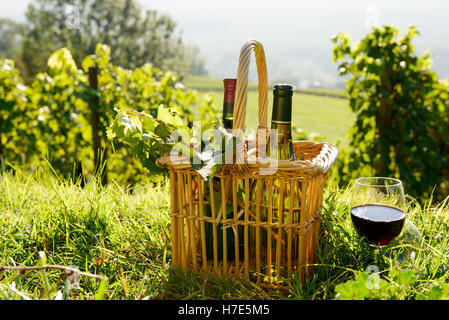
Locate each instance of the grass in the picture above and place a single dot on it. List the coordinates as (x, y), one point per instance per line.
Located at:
(105, 231)
(322, 111)
(125, 237)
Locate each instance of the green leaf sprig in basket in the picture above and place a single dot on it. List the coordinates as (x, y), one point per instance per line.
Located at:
(150, 138)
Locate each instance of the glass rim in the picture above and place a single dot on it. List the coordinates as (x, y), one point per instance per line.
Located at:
(396, 184)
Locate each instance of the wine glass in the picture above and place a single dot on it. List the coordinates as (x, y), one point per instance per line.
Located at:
(378, 209)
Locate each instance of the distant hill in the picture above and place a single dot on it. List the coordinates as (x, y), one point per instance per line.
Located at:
(323, 111)
(206, 84)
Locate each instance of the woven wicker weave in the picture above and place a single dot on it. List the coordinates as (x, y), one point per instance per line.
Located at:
(268, 239)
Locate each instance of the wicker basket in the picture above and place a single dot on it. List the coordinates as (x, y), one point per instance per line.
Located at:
(220, 227)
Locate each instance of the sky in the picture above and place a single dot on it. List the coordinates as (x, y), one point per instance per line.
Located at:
(295, 34)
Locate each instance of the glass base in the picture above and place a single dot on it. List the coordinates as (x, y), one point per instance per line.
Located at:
(403, 248)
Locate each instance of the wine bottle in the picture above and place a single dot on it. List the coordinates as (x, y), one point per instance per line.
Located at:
(227, 119)
(279, 147)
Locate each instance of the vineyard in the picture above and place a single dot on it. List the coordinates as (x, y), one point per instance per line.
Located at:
(62, 116)
(60, 119)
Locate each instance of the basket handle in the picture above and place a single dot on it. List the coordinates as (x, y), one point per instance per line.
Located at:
(242, 90)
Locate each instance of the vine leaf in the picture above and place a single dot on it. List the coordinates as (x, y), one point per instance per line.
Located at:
(208, 146)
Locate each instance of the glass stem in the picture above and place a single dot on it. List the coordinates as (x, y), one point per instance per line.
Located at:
(379, 256)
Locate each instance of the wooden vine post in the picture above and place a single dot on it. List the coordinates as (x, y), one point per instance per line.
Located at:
(100, 154)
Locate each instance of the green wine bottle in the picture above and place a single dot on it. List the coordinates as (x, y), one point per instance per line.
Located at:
(279, 147)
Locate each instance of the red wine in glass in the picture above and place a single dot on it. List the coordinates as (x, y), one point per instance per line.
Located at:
(380, 224)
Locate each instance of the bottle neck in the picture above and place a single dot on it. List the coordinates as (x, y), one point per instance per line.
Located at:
(282, 109)
(228, 114)
(228, 102)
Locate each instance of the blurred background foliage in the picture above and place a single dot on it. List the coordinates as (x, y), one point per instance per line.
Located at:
(68, 69)
(52, 118)
(135, 36)
(402, 126)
